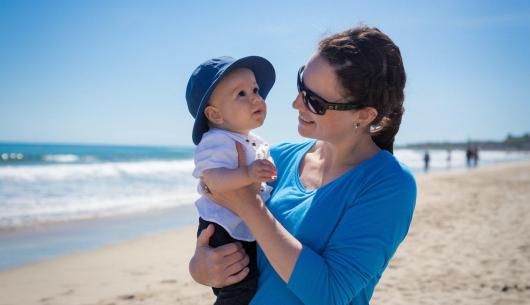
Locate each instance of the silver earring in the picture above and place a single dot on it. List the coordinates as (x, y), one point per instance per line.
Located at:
(357, 125)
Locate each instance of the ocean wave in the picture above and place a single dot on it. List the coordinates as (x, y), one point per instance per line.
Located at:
(79, 209)
(34, 173)
(61, 158)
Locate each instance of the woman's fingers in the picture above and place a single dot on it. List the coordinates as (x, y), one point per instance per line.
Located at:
(204, 237)
(229, 261)
(241, 157)
(237, 266)
(236, 278)
(229, 249)
(234, 260)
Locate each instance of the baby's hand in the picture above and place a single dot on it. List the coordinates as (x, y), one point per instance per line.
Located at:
(262, 171)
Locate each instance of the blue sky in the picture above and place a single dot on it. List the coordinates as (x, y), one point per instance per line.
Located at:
(115, 72)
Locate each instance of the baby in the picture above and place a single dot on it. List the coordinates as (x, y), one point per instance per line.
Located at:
(226, 98)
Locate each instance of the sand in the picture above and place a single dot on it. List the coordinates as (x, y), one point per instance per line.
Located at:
(469, 243)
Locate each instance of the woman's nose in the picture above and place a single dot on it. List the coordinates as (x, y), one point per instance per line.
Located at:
(298, 103)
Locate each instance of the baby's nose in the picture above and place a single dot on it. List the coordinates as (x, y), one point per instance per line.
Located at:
(256, 99)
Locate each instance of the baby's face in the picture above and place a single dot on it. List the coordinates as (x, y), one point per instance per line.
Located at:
(238, 103)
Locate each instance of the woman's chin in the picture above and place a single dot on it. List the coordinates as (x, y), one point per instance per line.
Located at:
(304, 132)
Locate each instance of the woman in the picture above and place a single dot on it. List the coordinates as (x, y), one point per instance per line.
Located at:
(341, 203)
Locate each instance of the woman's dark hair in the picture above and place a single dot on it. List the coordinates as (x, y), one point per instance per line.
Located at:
(369, 67)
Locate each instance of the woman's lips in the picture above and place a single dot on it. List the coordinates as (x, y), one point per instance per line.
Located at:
(304, 121)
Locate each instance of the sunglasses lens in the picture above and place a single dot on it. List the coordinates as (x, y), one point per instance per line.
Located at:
(311, 105)
(310, 101)
(314, 105)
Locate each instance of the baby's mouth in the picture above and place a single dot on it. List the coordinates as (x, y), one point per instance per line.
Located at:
(258, 111)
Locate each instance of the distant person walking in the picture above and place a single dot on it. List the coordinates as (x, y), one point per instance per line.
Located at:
(448, 158)
(469, 155)
(475, 156)
(426, 160)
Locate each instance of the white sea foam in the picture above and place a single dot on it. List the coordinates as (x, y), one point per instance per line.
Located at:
(61, 158)
(77, 208)
(35, 173)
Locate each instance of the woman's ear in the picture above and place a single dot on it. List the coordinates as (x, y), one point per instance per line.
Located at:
(213, 115)
(366, 116)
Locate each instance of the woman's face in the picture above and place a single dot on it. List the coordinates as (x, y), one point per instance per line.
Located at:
(319, 76)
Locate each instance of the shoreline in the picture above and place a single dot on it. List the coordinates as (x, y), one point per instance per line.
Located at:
(27, 245)
(467, 244)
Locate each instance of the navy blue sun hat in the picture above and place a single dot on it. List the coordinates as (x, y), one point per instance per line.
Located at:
(206, 77)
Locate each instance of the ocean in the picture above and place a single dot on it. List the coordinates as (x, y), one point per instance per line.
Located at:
(41, 183)
(55, 199)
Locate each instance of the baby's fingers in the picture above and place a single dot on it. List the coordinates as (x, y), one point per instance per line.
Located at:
(269, 163)
(266, 175)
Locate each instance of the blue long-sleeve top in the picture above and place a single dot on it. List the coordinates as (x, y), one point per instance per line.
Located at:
(349, 229)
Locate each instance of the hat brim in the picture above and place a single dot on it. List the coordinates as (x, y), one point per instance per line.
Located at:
(265, 77)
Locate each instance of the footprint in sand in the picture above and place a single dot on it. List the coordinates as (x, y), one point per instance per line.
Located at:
(68, 292)
(127, 297)
(44, 300)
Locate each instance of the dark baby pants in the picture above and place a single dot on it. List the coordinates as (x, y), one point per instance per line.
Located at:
(239, 293)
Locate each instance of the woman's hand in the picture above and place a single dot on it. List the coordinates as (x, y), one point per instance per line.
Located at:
(218, 267)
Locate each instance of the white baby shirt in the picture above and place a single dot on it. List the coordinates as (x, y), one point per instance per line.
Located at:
(217, 149)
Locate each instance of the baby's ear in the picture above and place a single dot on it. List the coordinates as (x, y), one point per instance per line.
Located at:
(213, 115)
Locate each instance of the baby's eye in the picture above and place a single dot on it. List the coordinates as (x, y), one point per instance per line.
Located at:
(256, 90)
(241, 93)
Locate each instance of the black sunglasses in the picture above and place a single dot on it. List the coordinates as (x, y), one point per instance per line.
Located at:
(317, 104)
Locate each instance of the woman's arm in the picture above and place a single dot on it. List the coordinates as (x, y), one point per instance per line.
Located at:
(359, 249)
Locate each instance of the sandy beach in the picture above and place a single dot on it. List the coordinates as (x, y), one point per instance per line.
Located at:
(468, 244)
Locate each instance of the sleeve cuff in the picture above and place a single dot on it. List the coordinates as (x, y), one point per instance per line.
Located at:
(307, 273)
